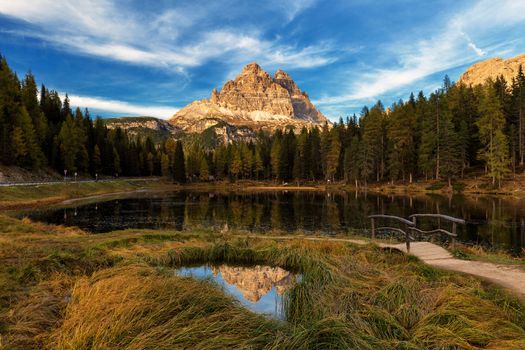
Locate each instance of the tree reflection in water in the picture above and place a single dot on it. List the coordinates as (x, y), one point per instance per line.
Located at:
(492, 221)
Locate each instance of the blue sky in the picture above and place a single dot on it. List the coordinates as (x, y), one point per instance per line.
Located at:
(154, 57)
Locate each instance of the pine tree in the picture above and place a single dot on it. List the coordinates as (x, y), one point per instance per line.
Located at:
(332, 158)
(351, 161)
(97, 161)
(29, 100)
(236, 164)
(258, 165)
(314, 143)
(204, 173)
(165, 165)
(179, 168)
(247, 160)
(275, 155)
(491, 126)
(81, 139)
(68, 145)
(34, 156)
(324, 149)
(150, 163)
(19, 146)
(450, 164)
(9, 110)
(66, 109)
(373, 135)
(116, 162)
(401, 136)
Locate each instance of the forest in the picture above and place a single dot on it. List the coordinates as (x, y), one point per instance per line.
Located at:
(455, 131)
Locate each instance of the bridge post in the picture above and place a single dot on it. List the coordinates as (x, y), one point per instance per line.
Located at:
(407, 238)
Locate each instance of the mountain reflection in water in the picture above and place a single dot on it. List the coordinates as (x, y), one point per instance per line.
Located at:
(259, 288)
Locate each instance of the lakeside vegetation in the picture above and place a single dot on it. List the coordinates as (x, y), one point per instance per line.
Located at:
(456, 131)
(64, 289)
(12, 197)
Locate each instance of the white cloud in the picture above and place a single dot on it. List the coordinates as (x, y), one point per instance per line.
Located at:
(114, 106)
(452, 47)
(293, 7)
(175, 39)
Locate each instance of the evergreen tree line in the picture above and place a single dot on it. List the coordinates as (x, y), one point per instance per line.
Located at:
(455, 131)
(39, 130)
(444, 136)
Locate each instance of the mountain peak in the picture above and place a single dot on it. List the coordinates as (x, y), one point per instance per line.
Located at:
(280, 74)
(492, 68)
(253, 99)
(253, 68)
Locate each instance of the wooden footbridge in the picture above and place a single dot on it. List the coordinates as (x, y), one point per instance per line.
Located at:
(410, 226)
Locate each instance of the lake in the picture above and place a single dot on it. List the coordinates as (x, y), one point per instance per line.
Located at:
(497, 222)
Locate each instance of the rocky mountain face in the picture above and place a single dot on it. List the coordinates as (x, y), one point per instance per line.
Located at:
(492, 68)
(255, 100)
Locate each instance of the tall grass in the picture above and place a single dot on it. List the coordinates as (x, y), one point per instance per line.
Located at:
(119, 291)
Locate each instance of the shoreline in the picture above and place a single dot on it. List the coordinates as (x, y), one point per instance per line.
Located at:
(21, 197)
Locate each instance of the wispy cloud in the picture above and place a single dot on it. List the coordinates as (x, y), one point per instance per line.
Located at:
(293, 7)
(175, 39)
(450, 48)
(113, 106)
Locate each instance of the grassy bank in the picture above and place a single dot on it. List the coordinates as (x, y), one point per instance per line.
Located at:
(24, 196)
(61, 288)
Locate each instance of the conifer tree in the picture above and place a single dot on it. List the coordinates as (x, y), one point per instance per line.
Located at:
(97, 161)
(204, 173)
(332, 158)
(68, 145)
(29, 100)
(491, 126)
(373, 137)
(165, 165)
(236, 164)
(276, 154)
(116, 162)
(258, 165)
(179, 168)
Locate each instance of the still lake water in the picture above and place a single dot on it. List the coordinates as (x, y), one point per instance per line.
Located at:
(491, 221)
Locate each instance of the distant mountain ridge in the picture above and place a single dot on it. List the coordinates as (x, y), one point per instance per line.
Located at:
(492, 68)
(157, 129)
(254, 99)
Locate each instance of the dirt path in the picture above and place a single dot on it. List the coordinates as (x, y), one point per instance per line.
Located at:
(506, 276)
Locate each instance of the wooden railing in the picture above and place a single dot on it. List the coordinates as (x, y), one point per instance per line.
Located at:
(411, 226)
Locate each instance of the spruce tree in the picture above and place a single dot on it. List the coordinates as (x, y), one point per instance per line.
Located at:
(236, 164)
(29, 100)
(68, 145)
(332, 158)
(258, 165)
(165, 165)
(179, 168)
(275, 155)
(491, 129)
(204, 173)
(373, 136)
(97, 160)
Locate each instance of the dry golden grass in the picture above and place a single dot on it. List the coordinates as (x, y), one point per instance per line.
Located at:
(69, 290)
